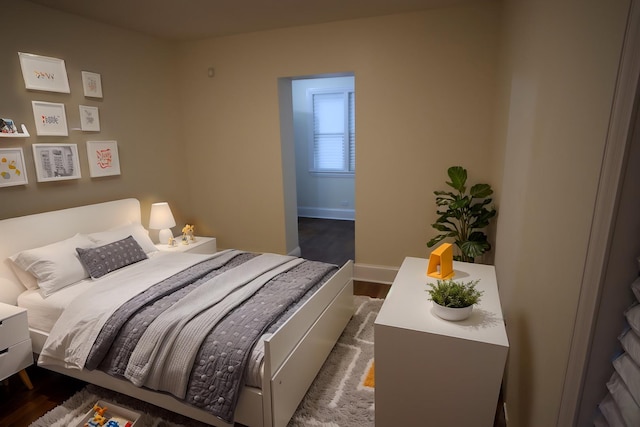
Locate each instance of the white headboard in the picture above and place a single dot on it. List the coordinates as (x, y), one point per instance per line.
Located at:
(37, 230)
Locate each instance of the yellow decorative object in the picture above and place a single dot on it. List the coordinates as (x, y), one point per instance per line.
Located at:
(187, 234)
(441, 256)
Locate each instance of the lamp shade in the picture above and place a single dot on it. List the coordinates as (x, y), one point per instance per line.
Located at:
(161, 219)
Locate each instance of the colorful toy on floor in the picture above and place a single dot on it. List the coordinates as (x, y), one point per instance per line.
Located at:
(99, 419)
(99, 410)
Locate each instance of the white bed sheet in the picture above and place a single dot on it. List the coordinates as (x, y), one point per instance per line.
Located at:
(42, 314)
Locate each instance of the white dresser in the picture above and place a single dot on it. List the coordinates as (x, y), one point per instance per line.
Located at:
(15, 345)
(434, 372)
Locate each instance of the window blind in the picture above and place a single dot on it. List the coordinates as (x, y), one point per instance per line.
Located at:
(333, 131)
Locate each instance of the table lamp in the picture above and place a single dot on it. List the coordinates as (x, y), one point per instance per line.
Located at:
(161, 219)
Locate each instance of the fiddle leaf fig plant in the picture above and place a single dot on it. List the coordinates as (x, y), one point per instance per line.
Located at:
(463, 214)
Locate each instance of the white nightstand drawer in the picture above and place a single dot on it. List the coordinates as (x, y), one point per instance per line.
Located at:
(15, 358)
(13, 328)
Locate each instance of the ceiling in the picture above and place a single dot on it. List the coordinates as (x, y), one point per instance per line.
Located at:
(197, 19)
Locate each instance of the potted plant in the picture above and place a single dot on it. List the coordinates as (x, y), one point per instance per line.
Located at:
(464, 215)
(454, 300)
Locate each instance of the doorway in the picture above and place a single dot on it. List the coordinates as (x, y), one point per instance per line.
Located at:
(323, 120)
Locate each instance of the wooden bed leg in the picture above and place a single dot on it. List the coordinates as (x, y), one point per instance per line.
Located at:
(25, 379)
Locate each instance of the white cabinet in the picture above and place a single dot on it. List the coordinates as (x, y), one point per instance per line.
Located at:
(15, 345)
(202, 245)
(434, 372)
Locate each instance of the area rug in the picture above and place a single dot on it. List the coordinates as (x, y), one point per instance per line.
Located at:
(342, 393)
(340, 396)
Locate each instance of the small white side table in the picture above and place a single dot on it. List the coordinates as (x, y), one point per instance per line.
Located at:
(202, 245)
(16, 353)
(431, 371)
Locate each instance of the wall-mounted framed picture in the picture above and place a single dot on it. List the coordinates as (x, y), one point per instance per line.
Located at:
(12, 169)
(56, 162)
(44, 73)
(103, 158)
(50, 118)
(89, 119)
(92, 84)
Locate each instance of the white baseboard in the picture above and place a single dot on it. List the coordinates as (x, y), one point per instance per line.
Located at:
(297, 252)
(374, 273)
(327, 213)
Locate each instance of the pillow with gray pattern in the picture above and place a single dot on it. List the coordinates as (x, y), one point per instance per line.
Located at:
(110, 257)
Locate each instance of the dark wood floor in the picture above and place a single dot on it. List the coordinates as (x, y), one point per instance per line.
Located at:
(20, 406)
(327, 240)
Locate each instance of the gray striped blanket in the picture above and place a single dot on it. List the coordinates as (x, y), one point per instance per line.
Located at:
(192, 334)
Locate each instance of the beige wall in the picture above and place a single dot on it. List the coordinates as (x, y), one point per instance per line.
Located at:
(561, 62)
(139, 110)
(426, 86)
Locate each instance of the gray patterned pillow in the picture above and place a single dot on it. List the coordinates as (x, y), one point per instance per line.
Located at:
(104, 259)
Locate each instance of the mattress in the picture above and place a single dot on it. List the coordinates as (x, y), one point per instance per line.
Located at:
(43, 312)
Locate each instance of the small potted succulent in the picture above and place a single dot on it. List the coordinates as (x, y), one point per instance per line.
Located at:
(454, 300)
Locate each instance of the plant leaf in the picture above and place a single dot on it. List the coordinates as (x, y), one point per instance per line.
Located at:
(435, 240)
(476, 245)
(461, 202)
(458, 176)
(482, 219)
(444, 193)
(441, 227)
(481, 191)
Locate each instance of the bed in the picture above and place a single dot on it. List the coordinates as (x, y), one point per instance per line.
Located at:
(292, 354)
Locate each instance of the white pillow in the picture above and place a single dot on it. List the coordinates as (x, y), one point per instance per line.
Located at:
(56, 265)
(136, 230)
(27, 279)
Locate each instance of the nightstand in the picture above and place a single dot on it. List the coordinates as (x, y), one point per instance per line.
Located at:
(15, 345)
(202, 245)
(427, 368)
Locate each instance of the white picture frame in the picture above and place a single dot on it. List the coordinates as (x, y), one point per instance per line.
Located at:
(103, 158)
(89, 118)
(12, 167)
(50, 118)
(92, 84)
(44, 73)
(56, 162)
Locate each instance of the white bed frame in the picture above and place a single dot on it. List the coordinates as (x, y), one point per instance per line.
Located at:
(293, 355)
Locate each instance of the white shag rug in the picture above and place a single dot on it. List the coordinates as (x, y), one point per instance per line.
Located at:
(340, 396)
(342, 393)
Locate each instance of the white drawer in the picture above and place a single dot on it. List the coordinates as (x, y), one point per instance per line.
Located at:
(15, 358)
(13, 329)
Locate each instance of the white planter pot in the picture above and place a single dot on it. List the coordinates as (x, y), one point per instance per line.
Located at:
(449, 313)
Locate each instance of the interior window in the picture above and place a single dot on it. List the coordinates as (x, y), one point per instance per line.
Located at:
(333, 140)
